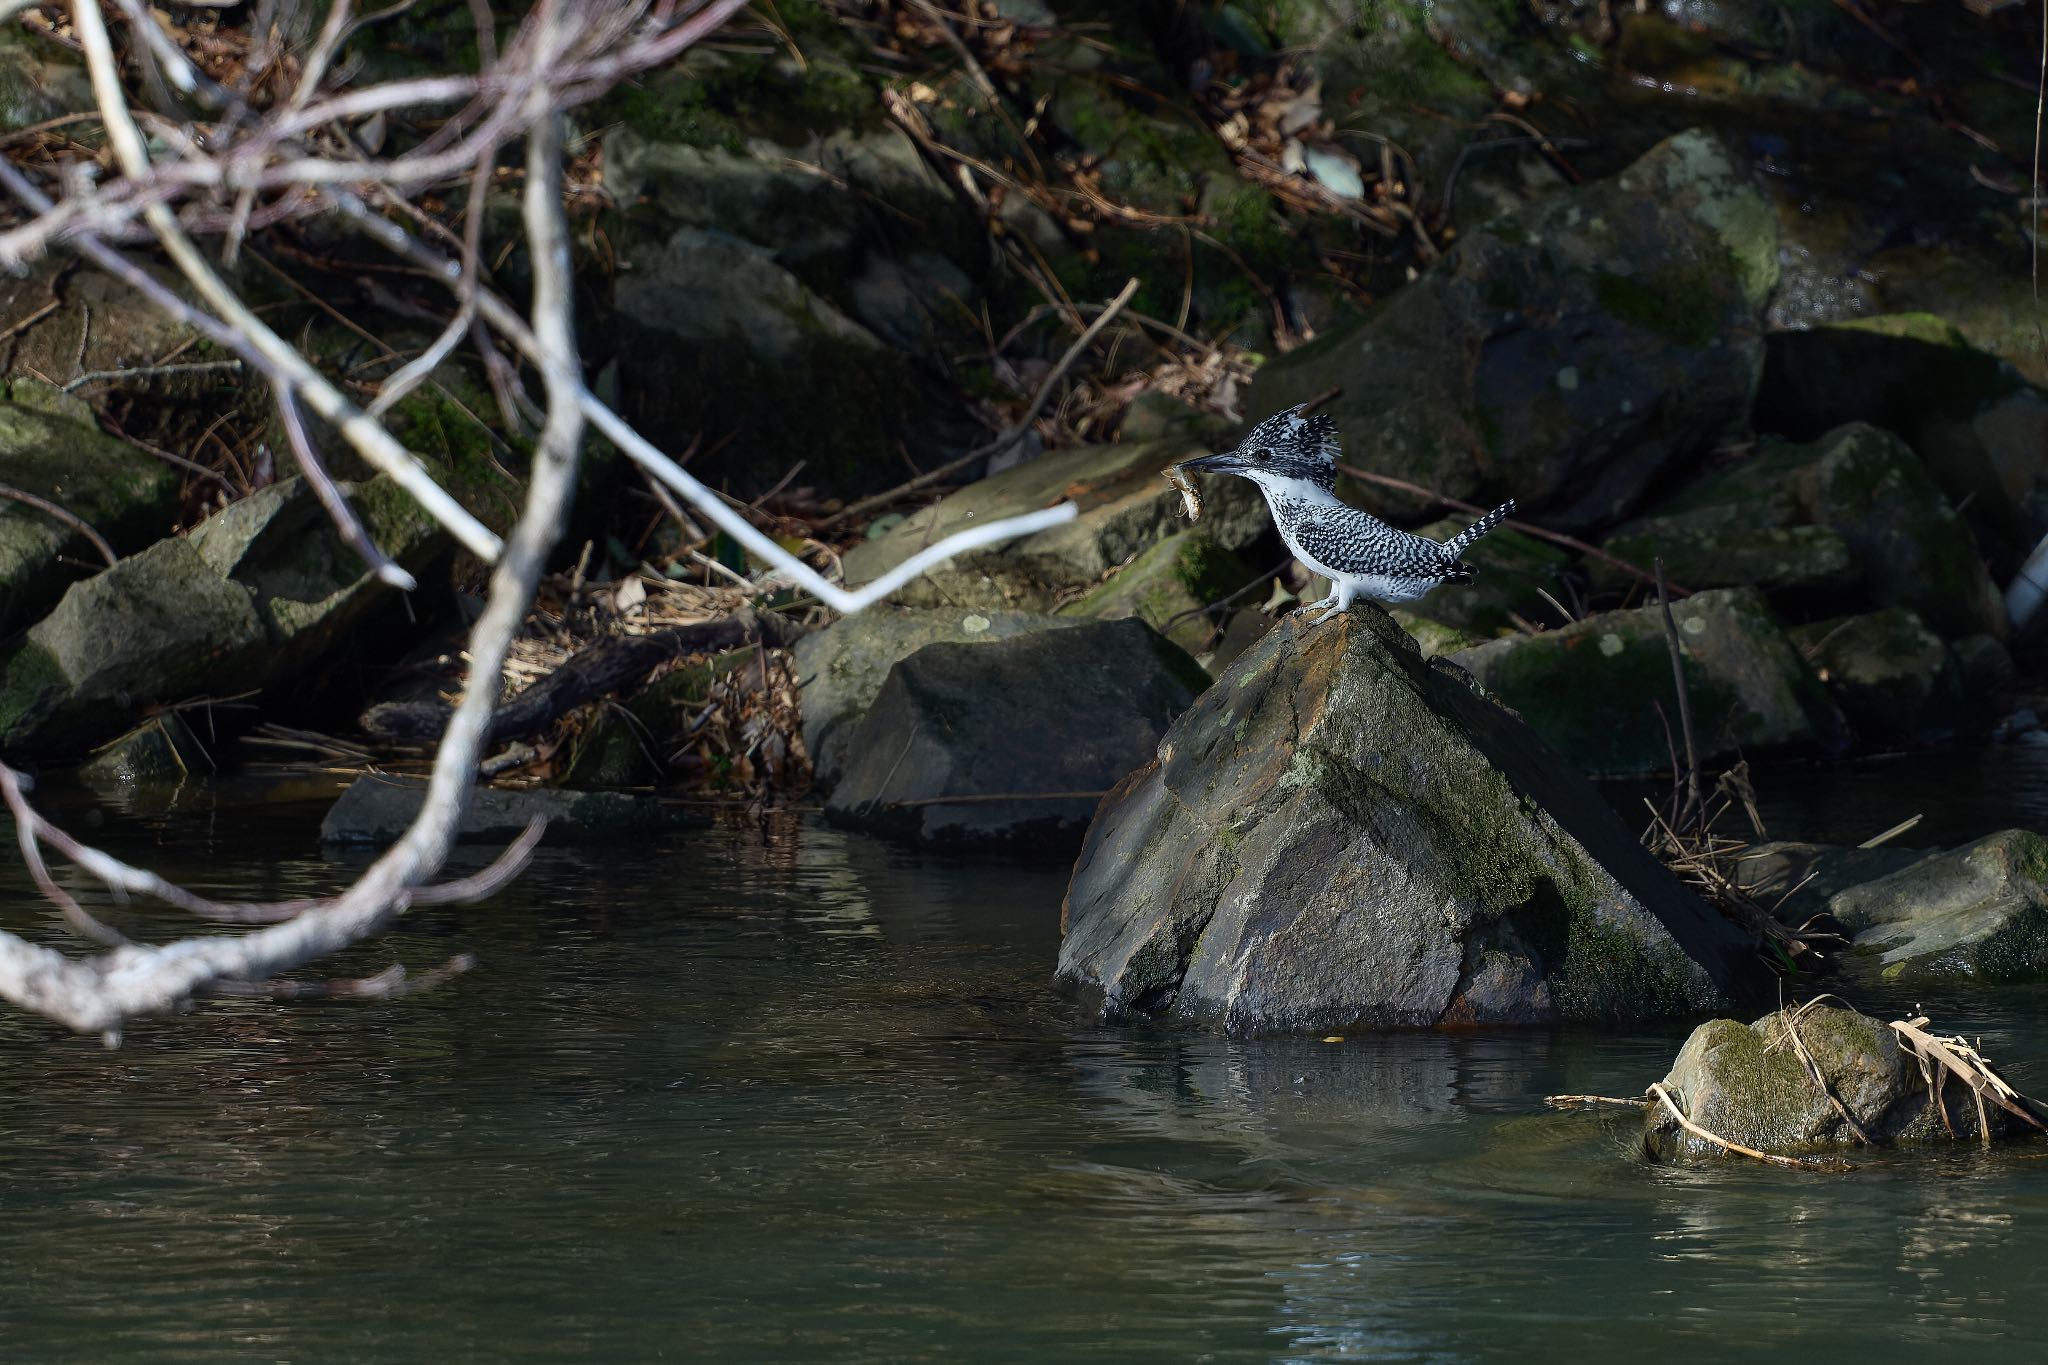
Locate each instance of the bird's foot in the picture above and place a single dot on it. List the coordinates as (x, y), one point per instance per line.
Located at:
(1330, 606)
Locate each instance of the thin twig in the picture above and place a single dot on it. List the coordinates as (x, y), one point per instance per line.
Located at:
(68, 517)
(1725, 1145)
(1008, 437)
(1693, 803)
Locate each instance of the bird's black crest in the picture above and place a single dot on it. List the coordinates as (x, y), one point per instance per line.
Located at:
(1303, 447)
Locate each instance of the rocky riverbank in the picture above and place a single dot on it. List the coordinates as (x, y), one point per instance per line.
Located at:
(1662, 283)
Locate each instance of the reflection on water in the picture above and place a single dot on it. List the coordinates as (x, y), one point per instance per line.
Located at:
(809, 1097)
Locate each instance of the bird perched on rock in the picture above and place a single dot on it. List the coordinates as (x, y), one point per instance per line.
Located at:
(1293, 460)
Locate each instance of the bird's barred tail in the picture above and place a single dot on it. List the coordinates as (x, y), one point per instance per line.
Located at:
(1462, 541)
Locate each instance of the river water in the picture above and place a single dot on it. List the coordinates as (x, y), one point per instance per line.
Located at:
(783, 1094)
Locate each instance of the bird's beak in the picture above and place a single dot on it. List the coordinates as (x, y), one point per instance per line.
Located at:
(1225, 462)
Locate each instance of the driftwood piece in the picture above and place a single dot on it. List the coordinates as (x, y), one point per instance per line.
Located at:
(599, 670)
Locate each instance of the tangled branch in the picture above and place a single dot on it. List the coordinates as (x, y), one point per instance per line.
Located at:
(286, 144)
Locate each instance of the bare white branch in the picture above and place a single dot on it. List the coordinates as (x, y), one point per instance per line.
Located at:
(299, 153)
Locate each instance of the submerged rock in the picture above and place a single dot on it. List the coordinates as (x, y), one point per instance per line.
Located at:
(1746, 1083)
(1889, 673)
(1126, 508)
(377, 809)
(1799, 878)
(1566, 354)
(1588, 689)
(840, 670)
(162, 750)
(1012, 743)
(1979, 912)
(1340, 834)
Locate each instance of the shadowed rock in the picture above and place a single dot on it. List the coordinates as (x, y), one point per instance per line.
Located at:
(1341, 834)
(1589, 688)
(1979, 912)
(841, 669)
(1567, 353)
(1022, 735)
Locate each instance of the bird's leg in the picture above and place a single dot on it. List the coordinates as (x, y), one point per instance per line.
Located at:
(1337, 602)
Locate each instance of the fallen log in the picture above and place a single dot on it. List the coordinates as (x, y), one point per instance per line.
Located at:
(608, 666)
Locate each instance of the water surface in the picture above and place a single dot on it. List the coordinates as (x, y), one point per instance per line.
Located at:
(789, 1094)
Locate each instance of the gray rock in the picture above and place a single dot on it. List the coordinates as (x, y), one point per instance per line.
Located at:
(1007, 730)
(1747, 1084)
(1915, 550)
(160, 626)
(1588, 688)
(1981, 428)
(1890, 674)
(1339, 834)
(773, 361)
(1796, 566)
(1979, 912)
(1799, 878)
(1126, 508)
(49, 447)
(253, 596)
(840, 670)
(1167, 587)
(377, 809)
(1567, 354)
(309, 588)
(1864, 485)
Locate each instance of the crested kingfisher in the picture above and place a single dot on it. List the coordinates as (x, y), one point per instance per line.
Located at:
(1293, 460)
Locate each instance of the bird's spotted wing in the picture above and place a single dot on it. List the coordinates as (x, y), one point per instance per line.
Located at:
(1347, 541)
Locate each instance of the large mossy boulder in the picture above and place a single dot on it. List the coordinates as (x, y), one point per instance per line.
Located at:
(1167, 587)
(253, 596)
(1340, 834)
(1976, 422)
(1592, 689)
(1979, 912)
(160, 626)
(1800, 568)
(1859, 486)
(1566, 354)
(1748, 1084)
(50, 448)
(1126, 509)
(1011, 744)
(1891, 675)
(840, 670)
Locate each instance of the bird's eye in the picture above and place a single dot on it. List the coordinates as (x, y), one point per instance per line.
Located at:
(1262, 453)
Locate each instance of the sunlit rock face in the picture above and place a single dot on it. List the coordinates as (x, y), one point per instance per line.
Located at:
(1341, 834)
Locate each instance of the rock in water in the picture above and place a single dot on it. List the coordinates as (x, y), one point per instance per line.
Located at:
(1340, 834)
(1026, 731)
(1747, 1084)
